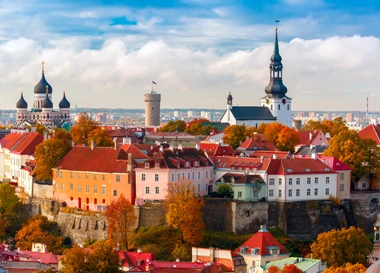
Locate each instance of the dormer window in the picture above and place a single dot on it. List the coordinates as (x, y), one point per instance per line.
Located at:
(146, 164)
(196, 163)
(187, 164)
(254, 251)
(243, 250)
(273, 250)
(157, 165)
(307, 170)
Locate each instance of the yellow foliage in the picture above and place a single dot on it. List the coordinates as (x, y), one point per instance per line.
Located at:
(347, 268)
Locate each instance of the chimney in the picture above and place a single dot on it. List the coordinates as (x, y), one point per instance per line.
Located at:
(262, 158)
(161, 148)
(263, 228)
(255, 135)
(124, 140)
(171, 148)
(180, 146)
(197, 146)
(115, 144)
(274, 156)
(212, 254)
(177, 260)
(130, 162)
(310, 136)
(72, 144)
(314, 156)
(45, 134)
(93, 144)
(117, 247)
(143, 132)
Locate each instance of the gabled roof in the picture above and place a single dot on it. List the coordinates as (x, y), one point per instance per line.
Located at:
(10, 140)
(239, 178)
(252, 113)
(309, 150)
(133, 149)
(334, 163)
(46, 258)
(231, 162)
(131, 259)
(216, 148)
(308, 136)
(262, 240)
(298, 166)
(99, 159)
(270, 154)
(371, 131)
(27, 144)
(257, 144)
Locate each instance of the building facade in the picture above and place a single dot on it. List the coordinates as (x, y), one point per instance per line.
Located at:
(152, 109)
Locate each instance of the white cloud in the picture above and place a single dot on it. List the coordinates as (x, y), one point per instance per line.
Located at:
(332, 74)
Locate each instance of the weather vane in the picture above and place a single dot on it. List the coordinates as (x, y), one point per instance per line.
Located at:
(277, 21)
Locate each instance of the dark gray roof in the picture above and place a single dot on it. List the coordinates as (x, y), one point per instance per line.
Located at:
(308, 151)
(40, 88)
(252, 113)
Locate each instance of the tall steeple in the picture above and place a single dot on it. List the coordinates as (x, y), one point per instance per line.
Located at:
(275, 88)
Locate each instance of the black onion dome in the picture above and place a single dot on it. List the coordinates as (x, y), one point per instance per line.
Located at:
(47, 103)
(40, 88)
(64, 103)
(22, 104)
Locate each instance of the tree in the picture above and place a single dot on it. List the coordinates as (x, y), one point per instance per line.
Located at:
(338, 247)
(347, 268)
(225, 190)
(63, 135)
(287, 139)
(234, 135)
(274, 269)
(333, 127)
(184, 211)
(40, 128)
(197, 127)
(291, 268)
(83, 127)
(173, 126)
(371, 165)
(101, 137)
(101, 257)
(47, 154)
(121, 219)
(272, 131)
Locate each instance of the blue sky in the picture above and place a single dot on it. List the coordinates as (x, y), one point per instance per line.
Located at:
(193, 49)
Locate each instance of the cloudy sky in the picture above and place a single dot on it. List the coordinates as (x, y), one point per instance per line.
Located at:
(107, 53)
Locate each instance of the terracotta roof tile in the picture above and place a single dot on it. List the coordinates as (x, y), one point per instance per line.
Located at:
(298, 166)
(133, 149)
(334, 163)
(27, 144)
(371, 131)
(216, 148)
(257, 144)
(10, 140)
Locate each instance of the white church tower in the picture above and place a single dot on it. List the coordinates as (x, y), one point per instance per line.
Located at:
(276, 100)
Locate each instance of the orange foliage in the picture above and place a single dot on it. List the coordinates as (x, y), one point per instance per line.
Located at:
(348, 268)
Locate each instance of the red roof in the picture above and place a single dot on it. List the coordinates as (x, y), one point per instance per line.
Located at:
(10, 140)
(100, 159)
(334, 163)
(28, 143)
(179, 267)
(134, 257)
(216, 148)
(269, 154)
(46, 258)
(156, 134)
(262, 240)
(308, 136)
(371, 131)
(239, 162)
(257, 144)
(132, 149)
(298, 166)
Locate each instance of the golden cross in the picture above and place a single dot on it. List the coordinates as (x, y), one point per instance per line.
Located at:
(43, 66)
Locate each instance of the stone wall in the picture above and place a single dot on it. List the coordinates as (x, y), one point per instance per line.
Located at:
(46, 207)
(42, 191)
(217, 214)
(153, 215)
(248, 216)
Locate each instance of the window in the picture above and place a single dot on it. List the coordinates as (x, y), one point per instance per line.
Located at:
(298, 192)
(341, 176)
(87, 188)
(103, 189)
(199, 175)
(179, 176)
(327, 180)
(95, 176)
(143, 177)
(103, 177)
(62, 186)
(280, 181)
(71, 186)
(193, 175)
(206, 174)
(172, 177)
(95, 189)
(79, 188)
(316, 180)
(271, 193)
(206, 187)
(279, 107)
(86, 176)
(308, 180)
(147, 190)
(188, 176)
(115, 193)
(315, 191)
(156, 177)
(290, 193)
(71, 174)
(199, 187)
(279, 193)
(271, 107)
(78, 175)
(211, 173)
(327, 191)
(157, 190)
(271, 181)
(290, 181)
(308, 192)
(255, 194)
(298, 181)
(288, 107)
(341, 187)
(118, 178)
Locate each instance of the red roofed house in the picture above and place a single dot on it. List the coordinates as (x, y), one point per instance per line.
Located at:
(92, 177)
(135, 261)
(256, 143)
(311, 137)
(261, 248)
(138, 155)
(216, 148)
(182, 267)
(231, 260)
(371, 131)
(344, 175)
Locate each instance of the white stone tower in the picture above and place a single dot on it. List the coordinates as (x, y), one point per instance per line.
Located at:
(152, 109)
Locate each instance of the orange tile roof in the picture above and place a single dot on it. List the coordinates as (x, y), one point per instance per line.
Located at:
(257, 144)
(334, 163)
(371, 131)
(298, 166)
(133, 149)
(27, 144)
(216, 148)
(100, 159)
(10, 140)
(305, 138)
(269, 154)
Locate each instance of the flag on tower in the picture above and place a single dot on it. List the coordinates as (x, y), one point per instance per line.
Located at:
(154, 82)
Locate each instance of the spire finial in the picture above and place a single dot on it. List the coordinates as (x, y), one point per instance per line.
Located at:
(21, 89)
(43, 67)
(47, 89)
(276, 21)
(64, 89)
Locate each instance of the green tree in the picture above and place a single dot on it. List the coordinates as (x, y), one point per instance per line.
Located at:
(338, 247)
(234, 135)
(173, 126)
(197, 127)
(121, 219)
(225, 190)
(83, 127)
(101, 137)
(184, 211)
(47, 154)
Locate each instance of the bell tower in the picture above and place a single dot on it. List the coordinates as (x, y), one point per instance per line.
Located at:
(276, 100)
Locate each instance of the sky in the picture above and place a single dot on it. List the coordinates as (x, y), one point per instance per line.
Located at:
(107, 53)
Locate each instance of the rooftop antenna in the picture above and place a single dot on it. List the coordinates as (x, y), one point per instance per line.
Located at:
(366, 114)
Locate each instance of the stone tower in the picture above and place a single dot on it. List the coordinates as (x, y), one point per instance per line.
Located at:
(152, 109)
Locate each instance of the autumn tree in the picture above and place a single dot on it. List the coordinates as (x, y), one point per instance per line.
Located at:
(287, 139)
(272, 130)
(63, 135)
(291, 268)
(121, 220)
(101, 257)
(274, 269)
(234, 135)
(40, 128)
(338, 247)
(83, 127)
(173, 126)
(197, 127)
(12, 212)
(47, 154)
(333, 127)
(347, 268)
(101, 137)
(184, 211)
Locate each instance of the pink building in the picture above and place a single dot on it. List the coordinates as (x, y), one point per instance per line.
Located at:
(172, 165)
(311, 137)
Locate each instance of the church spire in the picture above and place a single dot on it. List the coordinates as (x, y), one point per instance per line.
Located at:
(275, 88)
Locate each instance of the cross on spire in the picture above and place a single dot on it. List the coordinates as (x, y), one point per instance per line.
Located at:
(43, 66)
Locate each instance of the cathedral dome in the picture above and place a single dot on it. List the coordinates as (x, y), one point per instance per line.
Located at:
(47, 103)
(21, 104)
(64, 103)
(374, 268)
(40, 88)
